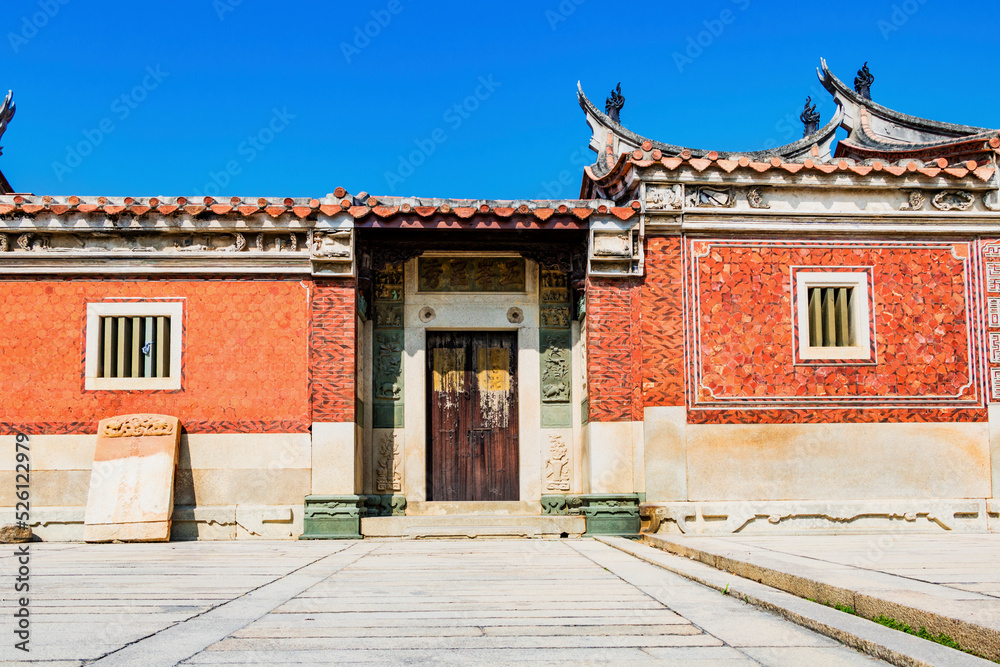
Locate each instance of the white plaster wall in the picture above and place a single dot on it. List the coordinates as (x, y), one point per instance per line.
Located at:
(838, 461)
(666, 453)
(611, 456)
(333, 458)
(994, 413)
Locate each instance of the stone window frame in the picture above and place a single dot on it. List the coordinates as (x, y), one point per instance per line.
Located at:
(95, 311)
(862, 313)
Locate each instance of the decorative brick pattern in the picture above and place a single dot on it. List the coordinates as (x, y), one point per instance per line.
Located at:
(663, 322)
(741, 363)
(244, 362)
(614, 357)
(990, 252)
(90, 428)
(332, 351)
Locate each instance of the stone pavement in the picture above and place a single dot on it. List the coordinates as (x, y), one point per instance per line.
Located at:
(391, 602)
(947, 583)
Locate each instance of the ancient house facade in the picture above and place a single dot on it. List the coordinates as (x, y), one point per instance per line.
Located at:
(805, 337)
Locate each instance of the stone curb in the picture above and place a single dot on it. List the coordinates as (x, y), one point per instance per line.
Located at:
(897, 648)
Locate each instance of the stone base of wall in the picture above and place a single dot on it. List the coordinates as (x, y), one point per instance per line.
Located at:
(773, 517)
(211, 522)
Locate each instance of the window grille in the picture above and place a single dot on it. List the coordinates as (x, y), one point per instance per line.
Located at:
(831, 317)
(134, 347)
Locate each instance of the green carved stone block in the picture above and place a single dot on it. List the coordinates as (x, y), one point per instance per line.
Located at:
(611, 514)
(332, 518)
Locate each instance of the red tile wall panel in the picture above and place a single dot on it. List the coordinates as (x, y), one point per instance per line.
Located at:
(663, 322)
(332, 350)
(244, 360)
(742, 364)
(614, 354)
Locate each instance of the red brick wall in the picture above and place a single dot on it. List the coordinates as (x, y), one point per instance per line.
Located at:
(332, 350)
(614, 355)
(244, 362)
(742, 365)
(663, 322)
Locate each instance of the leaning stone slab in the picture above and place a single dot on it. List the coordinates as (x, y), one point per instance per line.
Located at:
(131, 494)
(15, 534)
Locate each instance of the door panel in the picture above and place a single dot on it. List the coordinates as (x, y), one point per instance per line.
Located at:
(472, 451)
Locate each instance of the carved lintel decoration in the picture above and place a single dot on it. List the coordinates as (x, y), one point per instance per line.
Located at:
(295, 243)
(915, 201)
(660, 198)
(259, 243)
(755, 199)
(991, 200)
(471, 274)
(953, 200)
(389, 465)
(24, 241)
(133, 427)
(238, 245)
(557, 468)
(711, 197)
(4, 243)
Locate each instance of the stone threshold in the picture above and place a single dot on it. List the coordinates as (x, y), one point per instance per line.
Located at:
(473, 526)
(788, 584)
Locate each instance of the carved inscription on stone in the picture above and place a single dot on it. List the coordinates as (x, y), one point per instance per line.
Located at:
(557, 466)
(132, 427)
(389, 463)
(461, 274)
(555, 316)
(953, 200)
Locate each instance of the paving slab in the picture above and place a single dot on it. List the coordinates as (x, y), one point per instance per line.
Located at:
(394, 602)
(931, 581)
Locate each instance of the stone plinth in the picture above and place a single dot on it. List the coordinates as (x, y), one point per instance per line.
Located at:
(131, 494)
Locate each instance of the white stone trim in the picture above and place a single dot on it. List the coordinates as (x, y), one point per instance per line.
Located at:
(95, 311)
(804, 279)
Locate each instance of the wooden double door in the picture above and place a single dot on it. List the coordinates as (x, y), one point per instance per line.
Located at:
(472, 419)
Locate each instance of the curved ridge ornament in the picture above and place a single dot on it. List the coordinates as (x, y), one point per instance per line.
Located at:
(613, 105)
(7, 110)
(809, 118)
(863, 82)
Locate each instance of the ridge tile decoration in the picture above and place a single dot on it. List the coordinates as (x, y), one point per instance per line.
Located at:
(662, 323)
(332, 351)
(741, 360)
(614, 360)
(991, 321)
(232, 381)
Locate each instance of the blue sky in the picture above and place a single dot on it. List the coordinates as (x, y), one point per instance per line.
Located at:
(255, 98)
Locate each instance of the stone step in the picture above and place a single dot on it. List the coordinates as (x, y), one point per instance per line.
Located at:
(473, 526)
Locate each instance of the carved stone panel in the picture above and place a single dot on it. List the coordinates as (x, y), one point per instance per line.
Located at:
(389, 364)
(710, 197)
(471, 274)
(388, 463)
(557, 465)
(556, 378)
(330, 244)
(953, 200)
(664, 198)
(617, 244)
